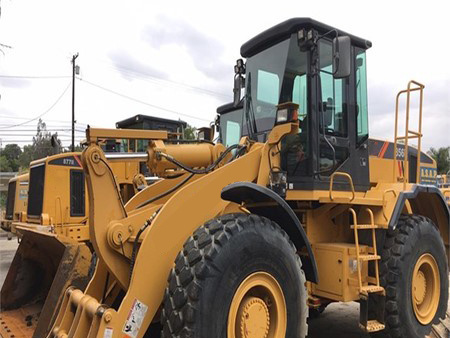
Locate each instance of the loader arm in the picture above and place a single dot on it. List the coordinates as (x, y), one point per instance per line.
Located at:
(114, 230)
(102, 190)
(177, 220)
(156, 189)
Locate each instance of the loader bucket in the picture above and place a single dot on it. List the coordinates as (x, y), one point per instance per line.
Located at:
(42, 269)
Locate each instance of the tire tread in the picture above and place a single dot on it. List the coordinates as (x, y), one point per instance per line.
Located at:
(196, 261)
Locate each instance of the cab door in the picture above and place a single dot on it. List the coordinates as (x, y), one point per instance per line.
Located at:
(342, 122)
(333, 115)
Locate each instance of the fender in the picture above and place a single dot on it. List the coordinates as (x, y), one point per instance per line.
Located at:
(282, 214)
(427, 201)
(420, 196)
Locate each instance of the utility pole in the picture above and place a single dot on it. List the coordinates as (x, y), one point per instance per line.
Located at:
(74, 70)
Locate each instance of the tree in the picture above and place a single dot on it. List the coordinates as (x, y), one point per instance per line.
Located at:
(41, 146)
(26, 157)
(190, 133)
(12, 153)
(442, 158)
(4, 164)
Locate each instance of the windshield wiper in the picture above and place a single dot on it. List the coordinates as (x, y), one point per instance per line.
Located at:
(249, 112)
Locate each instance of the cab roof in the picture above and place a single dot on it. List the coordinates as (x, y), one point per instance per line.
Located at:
(283, 30)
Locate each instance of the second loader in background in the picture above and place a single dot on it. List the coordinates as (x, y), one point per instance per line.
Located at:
(53, 230)
(52, 221)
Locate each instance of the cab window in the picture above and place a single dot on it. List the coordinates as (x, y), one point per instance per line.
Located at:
(333, 98)
(362, 132)
(333, 121)
(233, 133)
(230, 127)
(268, 87)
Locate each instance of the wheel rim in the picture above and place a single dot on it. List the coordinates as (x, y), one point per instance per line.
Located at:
(426, 288)
(258, 308)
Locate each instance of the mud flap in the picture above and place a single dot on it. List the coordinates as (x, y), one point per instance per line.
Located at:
(42, 269)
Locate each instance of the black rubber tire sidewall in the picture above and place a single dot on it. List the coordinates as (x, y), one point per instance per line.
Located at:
(251, 245)
(414, 236)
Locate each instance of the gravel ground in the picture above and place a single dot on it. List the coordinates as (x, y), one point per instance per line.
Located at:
(339, 320)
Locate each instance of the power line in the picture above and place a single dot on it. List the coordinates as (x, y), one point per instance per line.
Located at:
(23, 136)
(34, 77)
(30, 141)
(48, 128)
(45, 112)
(140, 101)
(159, 79)
(26, 118)
(46, 121)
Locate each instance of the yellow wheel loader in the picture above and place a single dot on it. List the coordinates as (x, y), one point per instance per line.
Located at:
(53, 229)
(16, 201)
(290, 211)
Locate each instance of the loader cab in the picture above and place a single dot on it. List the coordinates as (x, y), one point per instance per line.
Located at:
(293, 62)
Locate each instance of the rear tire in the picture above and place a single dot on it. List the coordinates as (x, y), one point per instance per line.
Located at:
(231, 270)
(415, 296)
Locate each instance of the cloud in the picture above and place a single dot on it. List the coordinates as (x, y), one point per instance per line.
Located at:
(435, 119)
(205, 51)
(130, 67)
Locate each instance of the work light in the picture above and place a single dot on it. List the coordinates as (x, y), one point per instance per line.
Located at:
(287, 112)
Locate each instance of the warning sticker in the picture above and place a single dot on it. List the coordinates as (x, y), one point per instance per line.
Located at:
(108, 332)
(135, 319)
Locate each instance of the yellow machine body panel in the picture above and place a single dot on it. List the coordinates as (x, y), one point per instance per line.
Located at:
(17, 199)
(337, 267)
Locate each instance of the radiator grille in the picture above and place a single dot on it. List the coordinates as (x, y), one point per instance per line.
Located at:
(77, 199)
(36, 190)
(10, 200)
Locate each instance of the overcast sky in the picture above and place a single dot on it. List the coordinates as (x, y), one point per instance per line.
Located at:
(175, 59)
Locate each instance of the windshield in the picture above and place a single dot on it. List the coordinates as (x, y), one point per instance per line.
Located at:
(276, 75)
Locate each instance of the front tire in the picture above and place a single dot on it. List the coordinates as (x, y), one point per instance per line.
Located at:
(414, 272)
(236, 275)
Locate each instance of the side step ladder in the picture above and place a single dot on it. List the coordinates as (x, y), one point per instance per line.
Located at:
(373, 289)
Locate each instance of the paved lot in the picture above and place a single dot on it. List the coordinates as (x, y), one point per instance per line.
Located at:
(339, 320)
(7, 251)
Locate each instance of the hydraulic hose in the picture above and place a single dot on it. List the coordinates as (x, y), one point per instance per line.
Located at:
(136, 241)
(164, 194)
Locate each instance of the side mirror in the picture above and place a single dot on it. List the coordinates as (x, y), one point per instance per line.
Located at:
(238, 85)
(239, 81)
(341, 57)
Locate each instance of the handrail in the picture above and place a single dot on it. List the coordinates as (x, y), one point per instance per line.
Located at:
(372, 219)
(337, 173)
(417, 134)
(384, 201)
(355, 231)
(374, 243)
